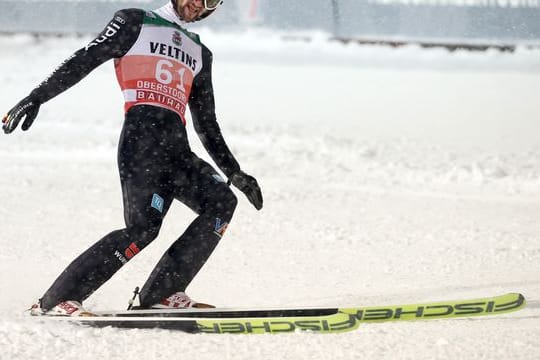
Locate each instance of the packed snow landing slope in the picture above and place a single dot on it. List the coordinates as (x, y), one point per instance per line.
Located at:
(389, 176)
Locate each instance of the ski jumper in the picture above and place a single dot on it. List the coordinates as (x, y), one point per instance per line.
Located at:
(161, 68)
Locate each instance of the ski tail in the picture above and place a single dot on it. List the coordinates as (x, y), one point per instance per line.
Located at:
(335, 323)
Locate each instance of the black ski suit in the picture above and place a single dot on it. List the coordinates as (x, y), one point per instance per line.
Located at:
(156, 166)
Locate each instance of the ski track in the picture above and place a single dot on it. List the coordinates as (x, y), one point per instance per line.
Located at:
(389, 177)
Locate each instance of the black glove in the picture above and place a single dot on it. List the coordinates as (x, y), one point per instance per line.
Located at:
(27, 107)
(248, 185)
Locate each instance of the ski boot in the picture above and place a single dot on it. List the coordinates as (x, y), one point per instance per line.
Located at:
(179, 300)
(65, 308)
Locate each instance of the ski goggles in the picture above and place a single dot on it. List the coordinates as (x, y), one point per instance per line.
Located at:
(212, 4)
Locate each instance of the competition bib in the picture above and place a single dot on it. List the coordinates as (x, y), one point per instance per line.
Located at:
(160, 67)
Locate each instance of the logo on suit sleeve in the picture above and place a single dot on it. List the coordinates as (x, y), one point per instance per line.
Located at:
(108, 33)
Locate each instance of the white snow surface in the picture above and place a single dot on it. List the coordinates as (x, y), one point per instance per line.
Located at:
(389, 176)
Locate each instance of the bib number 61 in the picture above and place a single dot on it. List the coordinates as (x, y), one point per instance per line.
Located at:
(165, 74)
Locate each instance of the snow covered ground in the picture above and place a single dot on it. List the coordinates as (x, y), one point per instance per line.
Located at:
(389, 175)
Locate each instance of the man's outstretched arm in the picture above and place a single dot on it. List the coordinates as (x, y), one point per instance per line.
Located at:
(113, 42)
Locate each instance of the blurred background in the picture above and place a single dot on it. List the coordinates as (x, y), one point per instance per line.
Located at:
(451, 23)
(391, 174)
